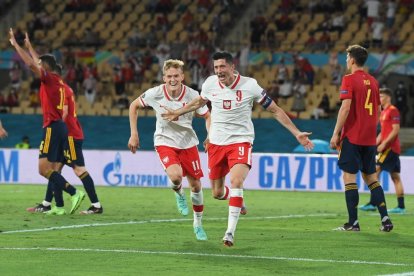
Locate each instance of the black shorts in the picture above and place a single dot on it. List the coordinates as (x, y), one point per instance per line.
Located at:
(54, 142)
(73, 153)
(389, 161)
(354, 158)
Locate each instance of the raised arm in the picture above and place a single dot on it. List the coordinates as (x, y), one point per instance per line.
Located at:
(27, 59)
(133, 143)
(282, 118)
(32, 51)
(171, 115)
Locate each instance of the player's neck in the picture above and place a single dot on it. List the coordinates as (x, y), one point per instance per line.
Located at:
(356, 68)
(230, 80)
(385, 106)
(174, 93)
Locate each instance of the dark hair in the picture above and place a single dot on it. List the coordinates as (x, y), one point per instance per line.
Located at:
(359, 53)
(59, 69)
(385, 91)
(223, 55)
(49, 60)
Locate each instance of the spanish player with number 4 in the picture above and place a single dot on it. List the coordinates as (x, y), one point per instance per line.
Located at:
(355, 137)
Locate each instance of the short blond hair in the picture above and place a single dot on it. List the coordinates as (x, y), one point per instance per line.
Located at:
(173, 63)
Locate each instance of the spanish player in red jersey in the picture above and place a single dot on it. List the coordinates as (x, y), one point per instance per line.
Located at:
(389, 149)
(355, 137)
(73, 154)
(54, 141)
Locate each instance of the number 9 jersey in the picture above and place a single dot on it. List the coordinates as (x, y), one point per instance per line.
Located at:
(361, 124)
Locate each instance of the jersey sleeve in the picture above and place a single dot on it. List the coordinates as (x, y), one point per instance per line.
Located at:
(204, 94)
(394, 116)
(346, 89)
(259, 94)
(147, 98)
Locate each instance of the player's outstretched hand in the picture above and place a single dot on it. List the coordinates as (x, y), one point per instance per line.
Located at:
(133, 143)
(12, 39)
(27, 41)
(303, 139)
(335, 142)
(169, 114)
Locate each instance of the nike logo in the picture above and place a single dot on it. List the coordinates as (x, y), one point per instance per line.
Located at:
(214, 95)
(239, 158)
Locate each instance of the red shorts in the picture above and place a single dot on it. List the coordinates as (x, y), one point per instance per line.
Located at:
(222, 158)
(188, 159)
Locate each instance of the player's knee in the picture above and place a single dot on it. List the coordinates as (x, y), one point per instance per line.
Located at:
(217, 194)
(176, 179)
(79, 170)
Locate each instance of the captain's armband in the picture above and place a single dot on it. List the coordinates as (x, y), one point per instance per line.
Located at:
(266, 100)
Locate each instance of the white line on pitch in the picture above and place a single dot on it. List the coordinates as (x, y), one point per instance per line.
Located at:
(157, 221)
(206, 255)
(400, 274)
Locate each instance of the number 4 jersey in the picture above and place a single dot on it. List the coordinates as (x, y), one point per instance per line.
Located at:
(177, 134)
(361, 124)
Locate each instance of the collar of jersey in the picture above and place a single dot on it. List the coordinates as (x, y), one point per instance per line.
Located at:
(174, 99)
(233, 85)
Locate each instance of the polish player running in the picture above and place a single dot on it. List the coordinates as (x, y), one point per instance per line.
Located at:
(175, 141)
(231, 133)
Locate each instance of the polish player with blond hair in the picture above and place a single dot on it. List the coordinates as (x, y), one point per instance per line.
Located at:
(175, 141)
(231, 133)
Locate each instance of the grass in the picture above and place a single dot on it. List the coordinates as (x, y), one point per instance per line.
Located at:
(141, 233)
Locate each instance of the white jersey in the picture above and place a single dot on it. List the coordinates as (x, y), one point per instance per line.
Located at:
(177, 134)
(232, 109)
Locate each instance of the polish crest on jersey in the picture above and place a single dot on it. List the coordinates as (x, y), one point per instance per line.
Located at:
(179, 133)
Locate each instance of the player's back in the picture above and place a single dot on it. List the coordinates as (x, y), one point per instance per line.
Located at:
(361, 124)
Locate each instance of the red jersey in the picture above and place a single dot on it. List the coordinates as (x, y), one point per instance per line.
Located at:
(52, 97)
(390, 116)
(72, 122)
(361, 124)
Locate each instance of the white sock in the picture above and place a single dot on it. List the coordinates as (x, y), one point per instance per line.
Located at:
(234, 211)
(198, 206)
(96, 205)
(46, 203)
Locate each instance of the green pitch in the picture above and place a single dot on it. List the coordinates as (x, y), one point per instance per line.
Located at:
(141, 233)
